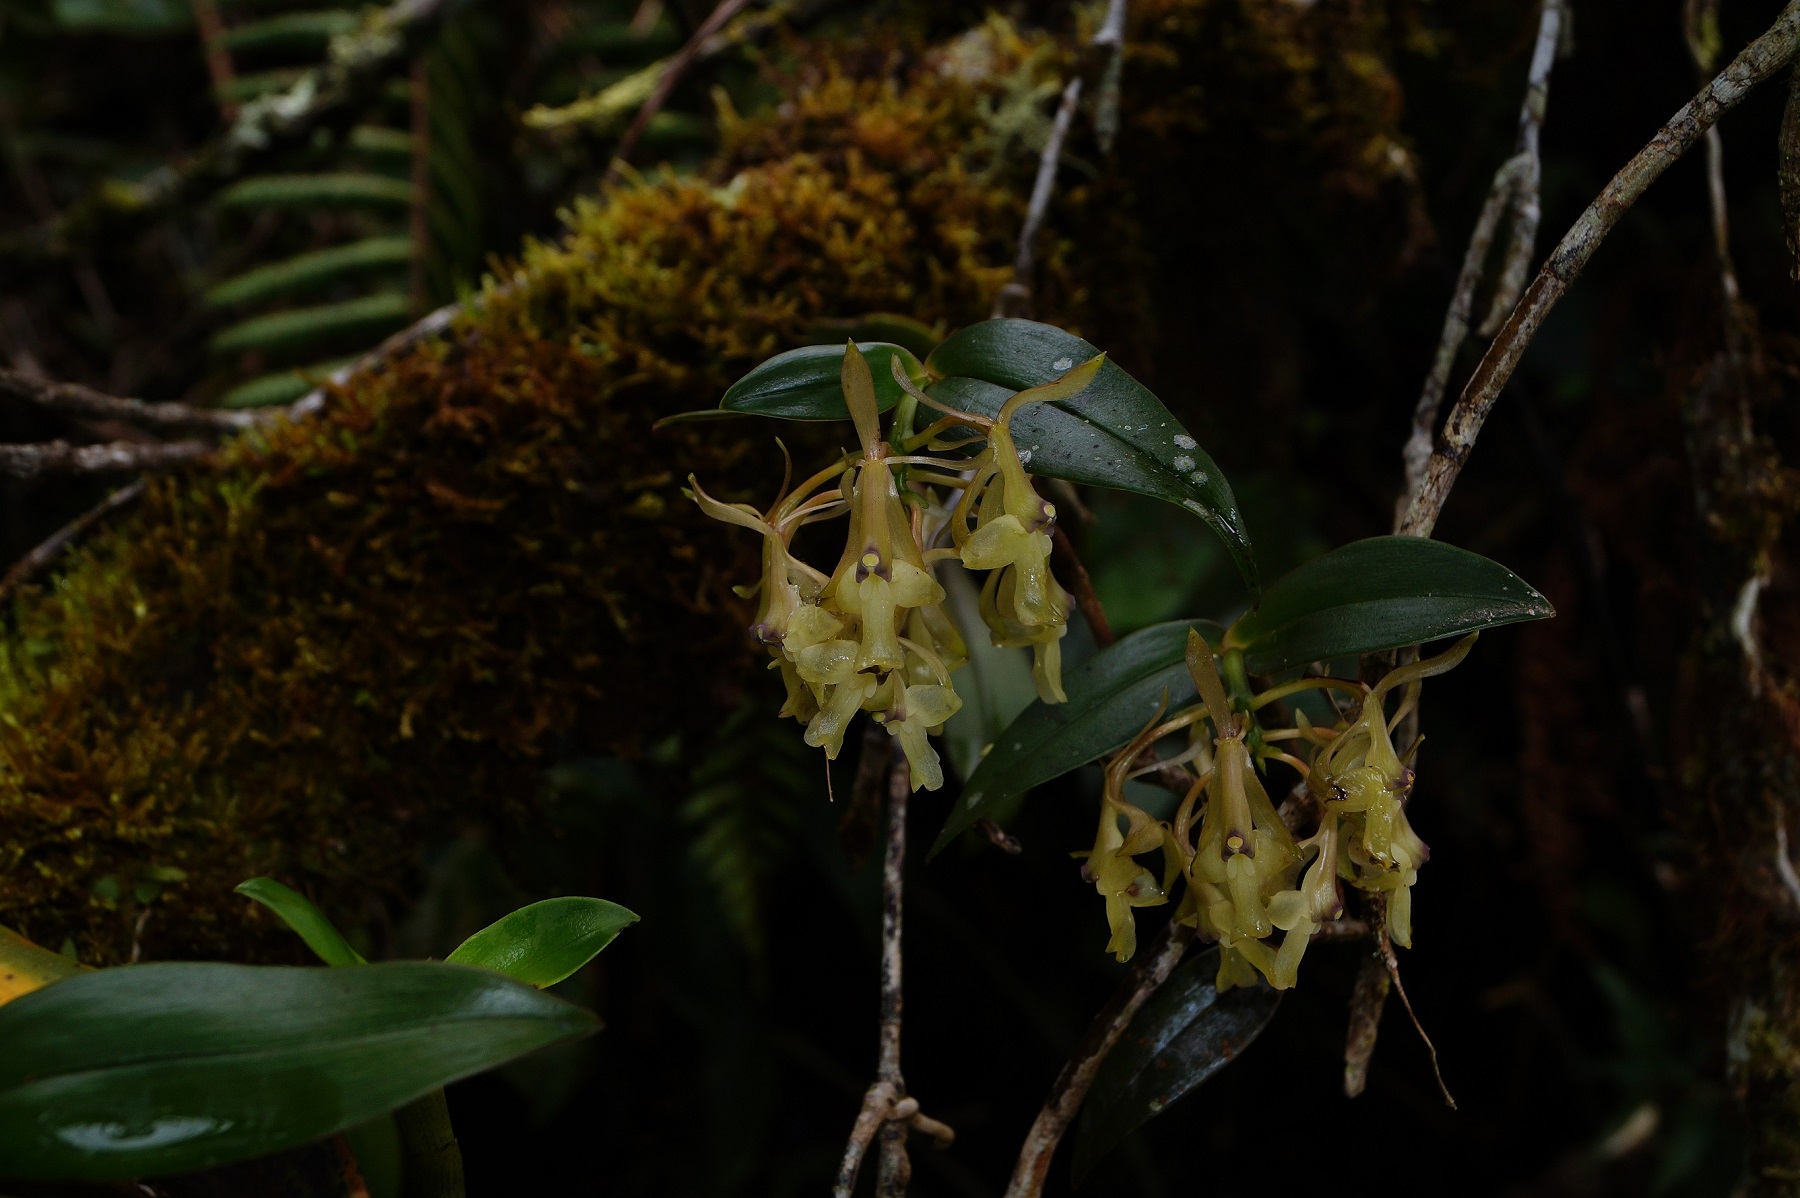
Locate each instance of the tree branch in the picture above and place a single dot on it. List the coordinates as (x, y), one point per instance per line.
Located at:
(85, 403)
(1515, 186)
(46, 552)
(1071, 1085)
(886, 1111)
(59, 457)
(1014, 299)
(1759, 60)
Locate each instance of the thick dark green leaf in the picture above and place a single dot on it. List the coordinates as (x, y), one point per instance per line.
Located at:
(1114, 434)
(1184, 1033)
(1378, 594)
(545, 942)
(1112, 696)
(914, 336)
(151, 1069)
(806, 383)
(298, 912)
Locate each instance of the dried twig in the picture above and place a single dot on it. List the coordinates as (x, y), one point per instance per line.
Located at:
(218, 57)
(59, 457)
(326, 98)
(886, 1111)
(1071, 1086)
(46, 552)
(1081, 587)
(1368, 998)
(1014, 299)
(84, 403)
(1759, 60)
(1515, 186)
(667, 79)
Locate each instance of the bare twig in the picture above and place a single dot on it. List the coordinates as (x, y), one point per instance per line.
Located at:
(1014, 299)
(1081, 587)
(325, 98)
(1368, 998)
(1515, 186)
(896, 1168)
(886, 1111)
(73, 399)
(1759, 60)
(46, 552)
(1111, 40)
(59, 457)
(218, 58)
(666, 81)
(1071, 1085)
(1700, 29)
(1784, 864)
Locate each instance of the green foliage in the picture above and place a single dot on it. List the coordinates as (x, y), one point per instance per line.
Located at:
(802, 384)
(311, 270)
(1378, 594)
(740, 815)
(291, 331)
(314, 191)
(171, 1067)
(307, 32)
(1114, 434)
(1110, 696)
(545, 942)
(299, 913)
(1183, 1034)
(354, 632)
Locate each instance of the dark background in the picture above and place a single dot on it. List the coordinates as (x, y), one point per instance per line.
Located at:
(1555, 958)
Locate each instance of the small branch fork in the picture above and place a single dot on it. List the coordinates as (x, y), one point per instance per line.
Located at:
(1515, 186)
(1759, 60)
(887, 1112)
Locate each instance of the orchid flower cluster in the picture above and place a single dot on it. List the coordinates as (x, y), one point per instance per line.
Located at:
(1246, 875)
(872, 635)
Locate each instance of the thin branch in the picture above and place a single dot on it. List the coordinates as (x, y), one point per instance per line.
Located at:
(1014, 299)
(59, 457)
(326, 98)
(1515, 186)
(46, 552)
(1368, 998)
(896, 1168)
(1700, 29)
(886, 1111)
(1110, 40)
(218, 57)
(1759, 60)
(668, 78)
(85, 403)
(1081, 587)
(1071, 1085)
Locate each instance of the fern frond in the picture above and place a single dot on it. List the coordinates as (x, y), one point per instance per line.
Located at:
(312, 270)
(296, 32)
(314, 191)
(367, 318)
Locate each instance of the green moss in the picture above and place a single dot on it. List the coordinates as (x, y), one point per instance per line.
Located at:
(350, 635)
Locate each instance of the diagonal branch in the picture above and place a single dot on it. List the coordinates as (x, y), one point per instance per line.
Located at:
(1759, 60)
(1515, 186)
(85, 403)
(59, 457)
